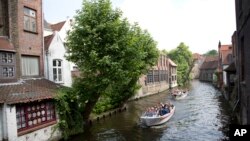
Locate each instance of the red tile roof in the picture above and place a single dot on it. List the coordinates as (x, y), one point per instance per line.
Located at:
(197, 56)
(5, 44)
(211, 58)
(28, 91)
(47, 41)
(57, 26)
(209, 65)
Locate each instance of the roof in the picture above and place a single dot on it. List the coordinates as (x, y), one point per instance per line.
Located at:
(5, 44)
(211, 58)
(171, 62)
(47, 41)
(197, 56)
(231, 68)
(225, 47)
(225, 51)
(57, 26)
(28, 91)
(209, 65)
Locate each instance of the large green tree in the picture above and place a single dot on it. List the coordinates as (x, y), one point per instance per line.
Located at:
(212, 52)
(110, 53)
(182, 56)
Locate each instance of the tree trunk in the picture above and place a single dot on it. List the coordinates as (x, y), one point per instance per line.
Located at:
(89, 107)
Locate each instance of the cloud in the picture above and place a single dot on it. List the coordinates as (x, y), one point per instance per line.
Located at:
(200, 24)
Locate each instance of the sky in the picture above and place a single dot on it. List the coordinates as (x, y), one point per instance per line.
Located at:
(200, 24)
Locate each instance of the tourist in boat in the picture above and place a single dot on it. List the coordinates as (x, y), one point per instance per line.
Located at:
(164, 110)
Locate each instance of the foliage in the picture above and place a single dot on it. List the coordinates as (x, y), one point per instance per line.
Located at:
(69, 111)
(110, 53)
(182, 56)
(212, 52)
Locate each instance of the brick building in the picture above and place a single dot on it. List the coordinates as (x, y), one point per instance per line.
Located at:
(159, 77)
(208, 69)
(225, 59)
(242, 57)
(27, 111)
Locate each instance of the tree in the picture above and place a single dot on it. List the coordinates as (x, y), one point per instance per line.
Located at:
(110, 53)
(183, 58)
(212, 52)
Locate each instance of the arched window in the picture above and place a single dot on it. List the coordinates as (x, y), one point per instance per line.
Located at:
(57, 70)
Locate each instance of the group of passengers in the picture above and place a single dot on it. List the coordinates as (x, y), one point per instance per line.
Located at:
(159, 110)
(178, 92)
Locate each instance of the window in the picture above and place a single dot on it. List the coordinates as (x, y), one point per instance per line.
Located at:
(150, 77)
(29, 19)
(8, 71)
(7, 67)
(7, 57)
(30, 66)
(57, 70)
(31, 115)
(156, 75)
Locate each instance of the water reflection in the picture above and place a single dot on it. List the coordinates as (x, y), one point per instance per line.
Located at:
(202, 116)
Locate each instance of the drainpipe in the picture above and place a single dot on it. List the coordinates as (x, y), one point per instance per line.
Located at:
(47, 64)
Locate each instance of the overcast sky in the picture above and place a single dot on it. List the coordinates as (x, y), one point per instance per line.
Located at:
(200, 24)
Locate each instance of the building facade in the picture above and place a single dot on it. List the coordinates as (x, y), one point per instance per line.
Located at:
(27, 110)
(208, 69)
(157, 79)
(57, 68)
(242, 57)
(225, 59)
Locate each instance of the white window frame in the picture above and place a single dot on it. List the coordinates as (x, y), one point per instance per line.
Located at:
(57, 64)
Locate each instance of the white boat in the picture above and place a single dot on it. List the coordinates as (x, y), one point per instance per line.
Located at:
(156, 119)
(180, 96)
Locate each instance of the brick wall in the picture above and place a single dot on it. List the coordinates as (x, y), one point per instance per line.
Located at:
(26, 43)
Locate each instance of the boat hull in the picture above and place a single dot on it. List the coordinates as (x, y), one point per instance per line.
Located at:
(183, 95)
(156, 120)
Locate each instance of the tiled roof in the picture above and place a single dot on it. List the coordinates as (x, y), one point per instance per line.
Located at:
(171, 62)
(57, 26)
(197, 56)
(47, 41)
(225, 47)
(209, 65)
(28, 91)
(5, 44)
(211, 58)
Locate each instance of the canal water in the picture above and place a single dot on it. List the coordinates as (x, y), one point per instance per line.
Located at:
(202, 116)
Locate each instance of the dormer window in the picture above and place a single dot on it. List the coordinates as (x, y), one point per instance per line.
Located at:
(30, 20)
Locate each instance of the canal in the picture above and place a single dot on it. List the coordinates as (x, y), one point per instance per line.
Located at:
(202, 116)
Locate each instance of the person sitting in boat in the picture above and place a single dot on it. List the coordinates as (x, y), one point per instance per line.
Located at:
(164, 110)
(151, 112)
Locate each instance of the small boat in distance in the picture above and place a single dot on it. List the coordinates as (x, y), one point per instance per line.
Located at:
(181, 96)
(178, 94)
(157, 119)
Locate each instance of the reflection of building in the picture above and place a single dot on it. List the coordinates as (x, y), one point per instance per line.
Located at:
(27, 111)
(242, 60)
(208, 69)
(157, 79)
